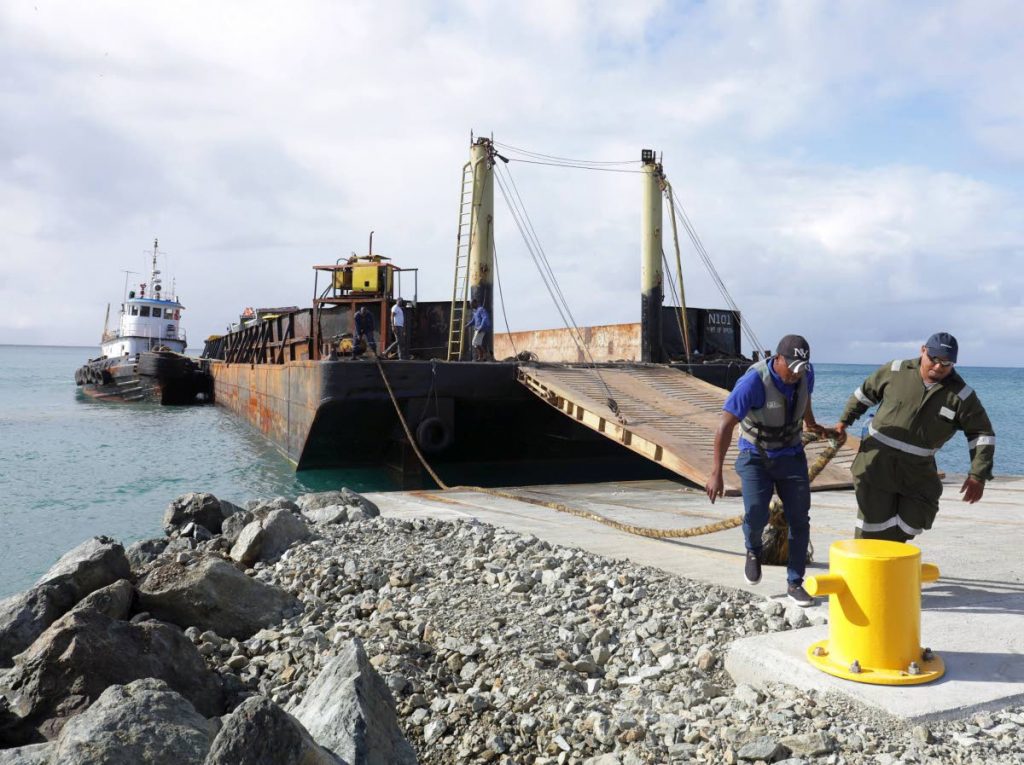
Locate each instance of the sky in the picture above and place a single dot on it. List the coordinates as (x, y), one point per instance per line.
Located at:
(853, 169)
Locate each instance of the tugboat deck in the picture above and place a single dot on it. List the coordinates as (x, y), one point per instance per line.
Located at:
(666, 415)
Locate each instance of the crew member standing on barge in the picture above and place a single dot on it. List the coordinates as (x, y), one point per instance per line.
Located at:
(921, 402)
(398, 327)
(772, 404)
(365, 329)
(480, 320)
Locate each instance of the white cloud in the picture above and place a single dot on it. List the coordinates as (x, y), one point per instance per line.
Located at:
(256, 139)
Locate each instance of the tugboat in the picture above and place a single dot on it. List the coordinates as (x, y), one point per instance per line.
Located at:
(144, 358)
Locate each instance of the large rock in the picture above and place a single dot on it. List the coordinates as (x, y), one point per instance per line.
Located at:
(266, 539)
(85, 652)
(212, 594)
(349, 709)
(145, 551)
(247, 547)
(327, 515)
(142, 722)
(95, 563)
(33, 754)
(259, 732)
(282, 529)
(202, 508)
(234, 524)
(320, 499)
(115, 600)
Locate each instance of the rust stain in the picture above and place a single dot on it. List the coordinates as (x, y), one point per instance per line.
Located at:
(608, 342)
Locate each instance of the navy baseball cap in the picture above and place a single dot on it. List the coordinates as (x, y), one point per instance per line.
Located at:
(942, 345)
(796, 351)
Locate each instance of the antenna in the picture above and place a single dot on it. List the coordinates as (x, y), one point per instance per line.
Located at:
(124, 297)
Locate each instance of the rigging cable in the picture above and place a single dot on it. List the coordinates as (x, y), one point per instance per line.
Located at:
(501, 297)
(577, 167)
(679, 309)
(548, 272)
(538, 155)
(546, 275)
(713, 272)
(522, 220)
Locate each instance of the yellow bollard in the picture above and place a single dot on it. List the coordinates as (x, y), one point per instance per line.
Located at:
(874, 614)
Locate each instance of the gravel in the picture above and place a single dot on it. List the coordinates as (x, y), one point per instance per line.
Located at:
(507, 649)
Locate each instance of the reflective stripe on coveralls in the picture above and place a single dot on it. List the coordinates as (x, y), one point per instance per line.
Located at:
(863, 399)
(893, 443)
(888, 524)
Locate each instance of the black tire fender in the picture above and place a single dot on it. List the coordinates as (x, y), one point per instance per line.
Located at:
(434, 435)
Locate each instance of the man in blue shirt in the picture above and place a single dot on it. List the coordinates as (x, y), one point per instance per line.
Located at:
(481, 323)
(772, 405)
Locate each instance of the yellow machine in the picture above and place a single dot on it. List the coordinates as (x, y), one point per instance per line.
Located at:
(369, 278)
(365, 274)
(874, 614)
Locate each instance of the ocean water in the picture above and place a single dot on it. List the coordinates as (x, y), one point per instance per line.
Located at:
(71, 467)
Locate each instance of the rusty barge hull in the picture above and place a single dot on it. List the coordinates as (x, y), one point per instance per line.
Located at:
(325, 414)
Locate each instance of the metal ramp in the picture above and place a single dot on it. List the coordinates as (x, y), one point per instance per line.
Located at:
(667, 416)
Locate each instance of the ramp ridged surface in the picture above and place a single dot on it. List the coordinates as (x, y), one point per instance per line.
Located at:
(667, 415)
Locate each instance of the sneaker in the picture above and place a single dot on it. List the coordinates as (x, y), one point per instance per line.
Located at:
(752, 568)
(799, 595)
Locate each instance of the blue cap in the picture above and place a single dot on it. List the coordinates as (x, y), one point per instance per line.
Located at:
(943, 345)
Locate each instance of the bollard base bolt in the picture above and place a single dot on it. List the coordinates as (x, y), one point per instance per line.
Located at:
(914, 672)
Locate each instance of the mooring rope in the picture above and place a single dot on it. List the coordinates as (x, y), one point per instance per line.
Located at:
(835, 442)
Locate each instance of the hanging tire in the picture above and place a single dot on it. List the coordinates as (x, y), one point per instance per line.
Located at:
(434, 435)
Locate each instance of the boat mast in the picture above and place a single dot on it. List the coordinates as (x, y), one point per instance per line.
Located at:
(481, 243)
(154, 279)
(651, 290)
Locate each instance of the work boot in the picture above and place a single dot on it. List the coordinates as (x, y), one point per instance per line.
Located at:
(752, 568)
(799, 595)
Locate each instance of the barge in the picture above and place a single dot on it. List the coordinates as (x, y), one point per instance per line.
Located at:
(303, 379)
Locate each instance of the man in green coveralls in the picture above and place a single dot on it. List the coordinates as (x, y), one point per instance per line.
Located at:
(921, 403)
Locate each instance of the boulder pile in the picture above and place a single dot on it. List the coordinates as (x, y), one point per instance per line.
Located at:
(316, 631)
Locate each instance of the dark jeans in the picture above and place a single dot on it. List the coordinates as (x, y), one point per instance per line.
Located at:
(788, 477)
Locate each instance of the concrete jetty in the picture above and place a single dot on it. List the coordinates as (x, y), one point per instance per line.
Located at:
(973, 616)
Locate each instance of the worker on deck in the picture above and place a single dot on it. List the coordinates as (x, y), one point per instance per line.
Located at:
(772, 405)
(364, 329)
(480, 320)
(398, 328)
(921, 403)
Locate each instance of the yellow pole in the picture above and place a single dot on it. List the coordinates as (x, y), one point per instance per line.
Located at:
(481, 240)
(650, 265)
